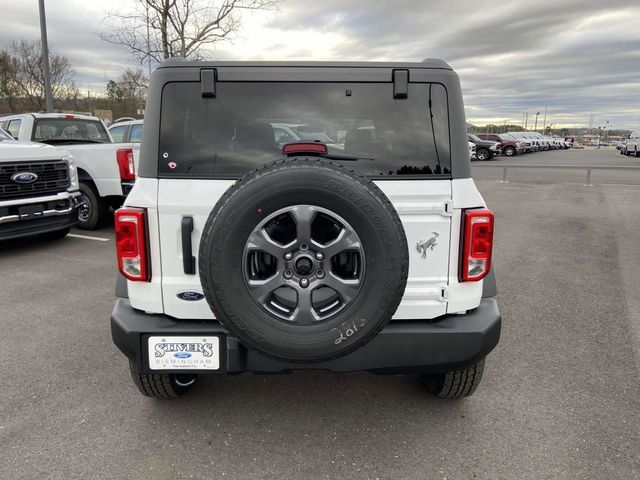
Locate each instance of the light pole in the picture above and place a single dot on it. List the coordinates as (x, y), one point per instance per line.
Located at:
(45, 58)
(535, 126)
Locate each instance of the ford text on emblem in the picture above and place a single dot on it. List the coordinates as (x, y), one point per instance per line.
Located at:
(24, 178)
(190, 296)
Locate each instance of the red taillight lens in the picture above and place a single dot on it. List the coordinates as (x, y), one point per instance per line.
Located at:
(131, 243)
(477, 244)
(126, 164)
(292, 148)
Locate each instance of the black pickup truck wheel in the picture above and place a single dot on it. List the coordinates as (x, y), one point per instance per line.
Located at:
(303, 260)
(483, 154)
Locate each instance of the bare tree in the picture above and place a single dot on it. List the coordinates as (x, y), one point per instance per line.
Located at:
(127, 94)
(159, 29)
(25, 77)
(9, 90)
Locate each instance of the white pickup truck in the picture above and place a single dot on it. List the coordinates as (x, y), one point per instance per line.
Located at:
(106, 170)
(632, 145)
(38, 190)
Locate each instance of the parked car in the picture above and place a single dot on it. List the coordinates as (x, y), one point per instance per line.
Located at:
(531, 144)
(621, 145)
(256, 257)
(485, 149)
(129, 131)
(106, 169)
(509, 145)
(632, 145)
(38, 190)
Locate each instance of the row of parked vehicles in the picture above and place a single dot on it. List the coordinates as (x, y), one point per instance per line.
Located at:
(60, 170)
(485, 146)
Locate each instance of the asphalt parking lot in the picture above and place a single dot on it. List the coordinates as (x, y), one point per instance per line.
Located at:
(560, 398)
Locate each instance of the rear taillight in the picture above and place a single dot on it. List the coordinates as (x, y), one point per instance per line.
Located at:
(126, 164)
(130, 227)
(477, 243)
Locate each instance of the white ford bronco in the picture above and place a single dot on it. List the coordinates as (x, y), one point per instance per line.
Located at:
(365, 249)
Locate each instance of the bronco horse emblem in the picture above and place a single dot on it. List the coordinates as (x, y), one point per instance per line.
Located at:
(423, 245)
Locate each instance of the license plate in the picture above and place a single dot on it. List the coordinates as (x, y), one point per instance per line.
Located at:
(184, 353)
(30, 210)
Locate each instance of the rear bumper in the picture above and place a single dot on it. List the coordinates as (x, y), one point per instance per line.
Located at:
(453, 342)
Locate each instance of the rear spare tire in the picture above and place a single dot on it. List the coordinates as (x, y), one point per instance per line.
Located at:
(303, 260)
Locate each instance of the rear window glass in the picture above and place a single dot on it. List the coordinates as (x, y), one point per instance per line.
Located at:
(117, 133)
(247, 124)
(136, 133)
(69, 130)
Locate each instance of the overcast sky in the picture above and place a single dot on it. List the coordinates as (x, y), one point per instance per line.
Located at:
(581, 58)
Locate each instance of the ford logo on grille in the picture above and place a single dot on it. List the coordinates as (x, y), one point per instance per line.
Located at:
(24, 178)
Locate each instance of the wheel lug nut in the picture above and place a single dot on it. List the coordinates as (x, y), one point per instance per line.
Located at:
(320, 274)
(304, 283)
(288, 274)
(319, 256)
(288, 256)
(304, 247)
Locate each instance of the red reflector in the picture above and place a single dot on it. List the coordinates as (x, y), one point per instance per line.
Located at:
(291, 148)
(124, 156)
(477, 245)
(131, 243)
(69, 116)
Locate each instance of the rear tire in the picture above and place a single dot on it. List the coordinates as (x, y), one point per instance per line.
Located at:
(457, 383)
(163, 386)
(93, 211)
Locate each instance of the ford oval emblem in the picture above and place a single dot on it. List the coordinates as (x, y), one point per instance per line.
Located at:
(182, 355)
(190, 296)
(24, 178)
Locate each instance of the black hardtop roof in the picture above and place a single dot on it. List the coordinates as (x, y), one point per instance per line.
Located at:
(428, 63)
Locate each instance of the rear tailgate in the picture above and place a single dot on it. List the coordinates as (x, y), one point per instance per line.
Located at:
(424, 209)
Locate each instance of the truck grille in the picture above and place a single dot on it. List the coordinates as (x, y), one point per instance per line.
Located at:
(53, 177)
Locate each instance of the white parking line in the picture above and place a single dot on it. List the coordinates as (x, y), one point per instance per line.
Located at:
(87, 237)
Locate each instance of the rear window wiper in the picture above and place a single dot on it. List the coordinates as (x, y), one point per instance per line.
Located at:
(343, 156)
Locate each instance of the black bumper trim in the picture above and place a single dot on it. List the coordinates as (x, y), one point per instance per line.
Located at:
(451, 343)
(24, 228)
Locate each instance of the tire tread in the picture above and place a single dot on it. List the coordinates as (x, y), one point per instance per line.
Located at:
(457, 383)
